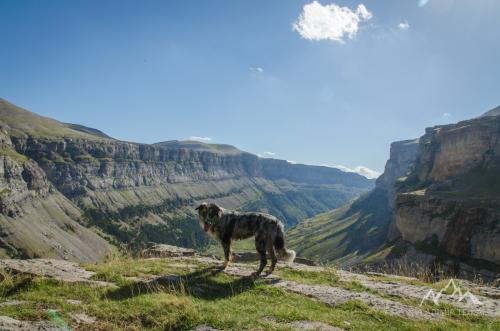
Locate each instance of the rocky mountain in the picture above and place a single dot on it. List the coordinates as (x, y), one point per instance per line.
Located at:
(449, 205)
(84, 186)
(352, 232)
(438, 202)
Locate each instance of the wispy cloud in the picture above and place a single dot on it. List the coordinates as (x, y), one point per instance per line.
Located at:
(404, 25)
(361, 170)
(330, 22)
(204, 139)
(422, 3)
(446, 115)
(269, 153)
(256, 71)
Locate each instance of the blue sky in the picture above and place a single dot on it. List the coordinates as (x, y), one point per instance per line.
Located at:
(333, 86)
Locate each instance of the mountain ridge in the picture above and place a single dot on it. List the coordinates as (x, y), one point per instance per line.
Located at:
(132, 193)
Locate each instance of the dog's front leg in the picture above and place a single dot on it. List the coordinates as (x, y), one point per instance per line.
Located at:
(226, 245)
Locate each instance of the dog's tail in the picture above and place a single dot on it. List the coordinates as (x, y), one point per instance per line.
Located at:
(284, 254)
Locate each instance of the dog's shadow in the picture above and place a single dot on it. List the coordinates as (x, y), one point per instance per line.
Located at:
(201, 284)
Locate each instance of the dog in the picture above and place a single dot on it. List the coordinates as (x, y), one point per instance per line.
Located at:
(227, 225)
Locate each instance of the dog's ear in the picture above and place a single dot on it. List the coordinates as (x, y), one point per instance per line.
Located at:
(203, 205)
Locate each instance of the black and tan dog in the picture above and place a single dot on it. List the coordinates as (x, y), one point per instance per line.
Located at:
(226, 225)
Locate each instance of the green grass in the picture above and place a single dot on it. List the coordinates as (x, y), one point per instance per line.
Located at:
(345, 234)
(22, 122)
(202, 296)
(11, 153)
(5, 192)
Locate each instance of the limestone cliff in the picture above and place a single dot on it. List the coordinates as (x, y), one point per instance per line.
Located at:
(450, 205)
(35, 219)
(134, 193)
(439, 196)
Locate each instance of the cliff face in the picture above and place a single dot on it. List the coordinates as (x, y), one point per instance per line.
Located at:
(453, 150)
(450, 204)
(134, 193)
(349, 234)
(35, 219)
(439, 196)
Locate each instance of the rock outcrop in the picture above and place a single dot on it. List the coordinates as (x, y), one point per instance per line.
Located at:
(450, 206)
(438, 200)
(35, 219)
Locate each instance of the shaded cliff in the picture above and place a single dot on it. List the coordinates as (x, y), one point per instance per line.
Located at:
(349, 234)
(134, 193)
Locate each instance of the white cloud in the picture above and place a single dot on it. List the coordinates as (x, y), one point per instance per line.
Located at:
(269, 153)
(404, 25)
(446, 115)
(422, 3)
(290, 161)
(204, 139)
(330, 22)
(361, 170)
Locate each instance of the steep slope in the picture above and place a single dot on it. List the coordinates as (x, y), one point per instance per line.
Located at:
(438, 201)
(493, 112)
(21, 122)
(135, 193)
(348, 234)
(35, 219)
(450, 205)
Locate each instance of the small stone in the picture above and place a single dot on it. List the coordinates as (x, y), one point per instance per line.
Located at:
(82, 318)
(74, 302)
(310, 325)
(204, 328)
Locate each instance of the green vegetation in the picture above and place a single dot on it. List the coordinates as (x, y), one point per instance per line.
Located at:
(201, 295)
(22, 122)
(478, 187)
(128, 232)
(199, 146)
(293, 206)
(11, 153)
(349, 232)
(5, 192)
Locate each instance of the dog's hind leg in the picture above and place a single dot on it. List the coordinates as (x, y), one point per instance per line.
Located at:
(272, 255)
(226, 245)
(260, 245)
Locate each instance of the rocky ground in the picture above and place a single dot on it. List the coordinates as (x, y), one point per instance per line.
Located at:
(389, 295)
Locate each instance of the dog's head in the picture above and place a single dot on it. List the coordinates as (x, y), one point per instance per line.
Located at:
(208, 215)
